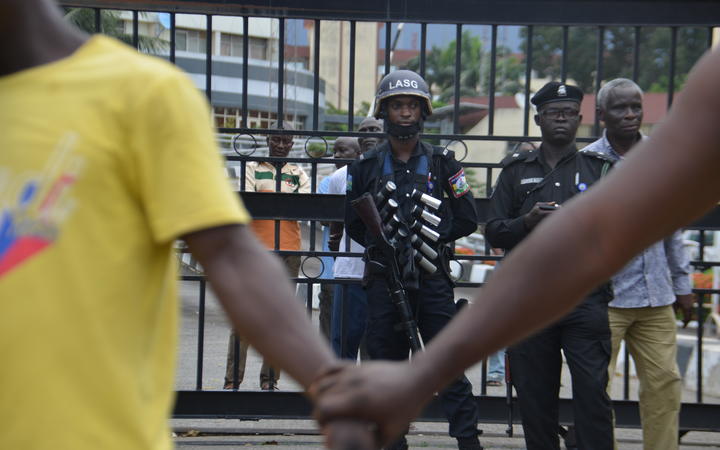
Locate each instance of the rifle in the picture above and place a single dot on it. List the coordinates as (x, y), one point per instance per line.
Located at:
(367, 211)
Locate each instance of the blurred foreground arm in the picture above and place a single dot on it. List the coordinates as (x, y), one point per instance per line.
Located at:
(254, 290)
(668, 181)
(257, 296)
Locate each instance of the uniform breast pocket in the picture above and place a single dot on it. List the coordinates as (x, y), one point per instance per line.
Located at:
(526, 197)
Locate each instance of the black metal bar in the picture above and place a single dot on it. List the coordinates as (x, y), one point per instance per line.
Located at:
(599, 73)
(236, 360)
(313, 188)
(636, 55)
(135, 34)
(173, 39)
(208, 57)
(558, 12)
(458, 69)
(278, 189)
(423, 48)
(351, 83)
(201, 337)
(98, 20)
(488, 185)
(492, 409)
(626, 374)
(528, 74)
(245, 69)
(316, 75)
(673, 54)
(700, 333)
(491, 91)
(281, 74)
(710, 37)
(341, 325)
(563, 61)
(483, 376)
(388, 36)
(308, 303)
(243, 174)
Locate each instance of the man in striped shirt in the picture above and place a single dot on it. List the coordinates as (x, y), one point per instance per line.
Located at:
(261, 176)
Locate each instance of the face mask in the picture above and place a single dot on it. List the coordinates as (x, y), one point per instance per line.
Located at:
(403, 132)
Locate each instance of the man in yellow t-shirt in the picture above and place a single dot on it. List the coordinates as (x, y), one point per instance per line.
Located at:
(107, 158)
(262, 177)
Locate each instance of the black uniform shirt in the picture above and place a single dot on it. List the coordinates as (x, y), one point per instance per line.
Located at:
(527, 179)
(459, 217)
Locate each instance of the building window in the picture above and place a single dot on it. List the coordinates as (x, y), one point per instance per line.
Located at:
(190, 41)
(231, 44)
(232, 118)
(258, 48)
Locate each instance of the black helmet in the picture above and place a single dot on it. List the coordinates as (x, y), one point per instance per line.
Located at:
(402, 82)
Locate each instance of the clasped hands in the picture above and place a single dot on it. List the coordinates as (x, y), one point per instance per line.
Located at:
(365, 407)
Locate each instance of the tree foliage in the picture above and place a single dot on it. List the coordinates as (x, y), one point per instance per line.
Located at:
(111, 24)
(474, 69)
(654, 54)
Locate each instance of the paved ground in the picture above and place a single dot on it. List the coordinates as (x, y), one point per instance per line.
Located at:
(493, 438)
(301, 434)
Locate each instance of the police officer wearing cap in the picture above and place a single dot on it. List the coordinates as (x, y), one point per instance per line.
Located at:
(532, 185)
(426, 204)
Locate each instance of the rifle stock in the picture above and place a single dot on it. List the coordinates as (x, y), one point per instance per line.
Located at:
(368, 213)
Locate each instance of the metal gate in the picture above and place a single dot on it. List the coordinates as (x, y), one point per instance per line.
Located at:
(319, 123)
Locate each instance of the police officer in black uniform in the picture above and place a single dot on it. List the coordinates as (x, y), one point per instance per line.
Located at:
(531, 186)
(424, 177)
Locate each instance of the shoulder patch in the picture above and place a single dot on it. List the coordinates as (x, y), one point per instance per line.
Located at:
(459, 184)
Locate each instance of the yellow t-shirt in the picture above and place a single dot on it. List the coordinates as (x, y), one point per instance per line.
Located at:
(106, 157)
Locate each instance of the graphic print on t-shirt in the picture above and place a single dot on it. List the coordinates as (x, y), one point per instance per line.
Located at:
(34, 204)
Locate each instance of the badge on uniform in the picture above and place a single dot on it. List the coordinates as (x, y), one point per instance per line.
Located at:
(348, 188)
(430, 184)
(458, 184)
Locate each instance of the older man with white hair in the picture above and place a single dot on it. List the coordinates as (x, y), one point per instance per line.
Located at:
(647, 288)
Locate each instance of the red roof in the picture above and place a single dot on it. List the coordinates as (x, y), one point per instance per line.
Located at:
(297, 51)
(654, 106)
(400, 56)
(501, 101)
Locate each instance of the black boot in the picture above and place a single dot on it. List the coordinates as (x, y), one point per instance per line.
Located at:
(399, 444)
(469, 443)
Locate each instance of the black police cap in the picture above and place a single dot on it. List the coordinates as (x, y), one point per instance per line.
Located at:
(557, 92)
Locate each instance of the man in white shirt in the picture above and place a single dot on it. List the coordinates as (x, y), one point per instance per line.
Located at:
(349, 312)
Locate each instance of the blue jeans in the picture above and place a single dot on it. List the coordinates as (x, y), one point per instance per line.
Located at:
(349, 319)
(496, 366)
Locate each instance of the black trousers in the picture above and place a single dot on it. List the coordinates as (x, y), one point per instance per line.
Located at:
(435, 307)
(535, 365)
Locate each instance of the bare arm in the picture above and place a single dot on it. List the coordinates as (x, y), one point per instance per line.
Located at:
(256, 294)
(664, 184)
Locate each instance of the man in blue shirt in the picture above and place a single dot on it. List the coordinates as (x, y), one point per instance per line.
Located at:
(647, 287)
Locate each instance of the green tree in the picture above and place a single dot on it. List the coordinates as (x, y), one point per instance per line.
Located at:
(474, 69)
(654, 54)
(440, 68)
(509, 71)
(112, 25)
